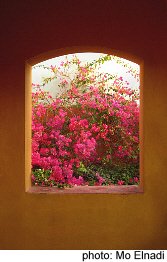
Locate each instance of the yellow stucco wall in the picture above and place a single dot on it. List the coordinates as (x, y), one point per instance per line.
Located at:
(88, 221)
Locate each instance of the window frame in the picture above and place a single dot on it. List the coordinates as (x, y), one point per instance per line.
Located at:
(116, 189)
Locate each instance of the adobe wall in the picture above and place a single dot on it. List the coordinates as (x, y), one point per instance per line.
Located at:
(82, 221)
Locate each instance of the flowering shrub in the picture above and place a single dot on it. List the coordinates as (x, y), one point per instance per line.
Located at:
(89, 133)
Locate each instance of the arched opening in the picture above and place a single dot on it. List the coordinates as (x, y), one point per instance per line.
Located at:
(93, 138)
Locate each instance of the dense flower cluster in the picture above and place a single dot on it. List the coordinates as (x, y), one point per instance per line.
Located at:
(86, 135)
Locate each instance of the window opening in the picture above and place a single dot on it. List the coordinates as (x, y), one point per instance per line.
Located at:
(85, 121)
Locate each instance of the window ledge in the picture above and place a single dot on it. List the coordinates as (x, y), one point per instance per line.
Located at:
(131, 189)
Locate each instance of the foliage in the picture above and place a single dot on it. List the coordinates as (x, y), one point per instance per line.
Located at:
(89, 133)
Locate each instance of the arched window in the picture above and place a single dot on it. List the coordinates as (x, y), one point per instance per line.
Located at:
(85, 124)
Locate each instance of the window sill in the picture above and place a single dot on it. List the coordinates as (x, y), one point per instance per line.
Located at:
(131, 189)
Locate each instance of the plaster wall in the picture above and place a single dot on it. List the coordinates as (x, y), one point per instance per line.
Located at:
(82, 221)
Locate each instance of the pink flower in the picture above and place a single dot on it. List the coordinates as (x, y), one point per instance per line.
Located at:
(131, 180)
(76, 181)
(108, 156)
(36, 158)
(136, 180)
(57, 174)
(44, 151)
(100, 179)
(33, 178)
(120, 182)
(120, 148)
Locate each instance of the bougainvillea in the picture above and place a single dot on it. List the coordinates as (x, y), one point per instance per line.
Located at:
(89, 133)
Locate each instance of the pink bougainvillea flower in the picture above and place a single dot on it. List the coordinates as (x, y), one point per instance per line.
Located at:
(131, 180)
(136, 180)
(33, 178)
(120, 182)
